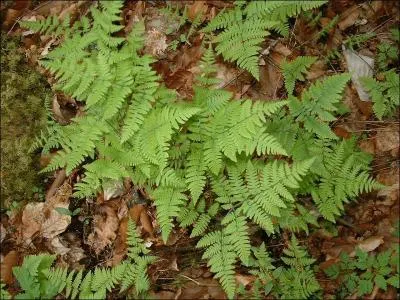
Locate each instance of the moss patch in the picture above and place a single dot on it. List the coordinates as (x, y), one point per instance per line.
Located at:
(23, 115)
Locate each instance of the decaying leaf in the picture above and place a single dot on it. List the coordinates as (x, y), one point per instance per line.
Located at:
(9, 261)
(370, 244)
(42, 219)
(105, 226)
(198, 7)
(58, 247)
(156, 43)
(387, 139)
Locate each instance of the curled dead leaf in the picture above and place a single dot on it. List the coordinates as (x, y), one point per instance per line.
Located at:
(9, 261)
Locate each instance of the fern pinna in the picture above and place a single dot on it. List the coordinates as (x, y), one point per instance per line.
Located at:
(217, 165)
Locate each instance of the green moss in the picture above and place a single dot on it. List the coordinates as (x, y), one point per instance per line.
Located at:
(23, 115)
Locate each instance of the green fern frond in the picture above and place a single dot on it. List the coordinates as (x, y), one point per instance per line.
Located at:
(200, 225)
(221, 259)
(280, 10)
(295, 69)
(237, 230)
(299, 280)
(168, 202)
(318, 103)
(51, 25)
(343, 177)
(384, 94)
(245, 28)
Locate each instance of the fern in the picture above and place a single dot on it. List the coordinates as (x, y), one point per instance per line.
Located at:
(318, 103)
(355, 41)
(237, 230)
(218, 165)
(221, 259)
(294, 71)
(384, 94)
(245, 28)
(297, 219)
(51, 25)
(168, 202)
(388, 53)
(343, 177)
(298, 281)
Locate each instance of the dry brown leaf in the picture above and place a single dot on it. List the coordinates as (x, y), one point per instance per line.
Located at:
(390, 194)
(3, 233)
(198, 7)
(370, 244)
(174, 264)
(9, 261)
(341, 132)
(282, 49)
(105, 226)
(42, 218)
(317, 70)
(135, 212)
(162, 295)
(388, 139)
(203, 288)
(244, 279)
(390, 175)
(271, 79)
(58, 247)
(155, 43)
(55, 223)
(349, 17)
(146, 223)
(32, 219)
(120, 247)
(58, 181)
(10, 18)
(367, 145)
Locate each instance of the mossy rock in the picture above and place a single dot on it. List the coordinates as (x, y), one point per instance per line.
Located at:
(23, 115)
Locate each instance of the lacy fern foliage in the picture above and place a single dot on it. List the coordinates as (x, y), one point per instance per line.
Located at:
(384, 94)
(245, 27)
(295, 69)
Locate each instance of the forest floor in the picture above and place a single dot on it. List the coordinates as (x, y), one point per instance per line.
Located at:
(369, 223)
